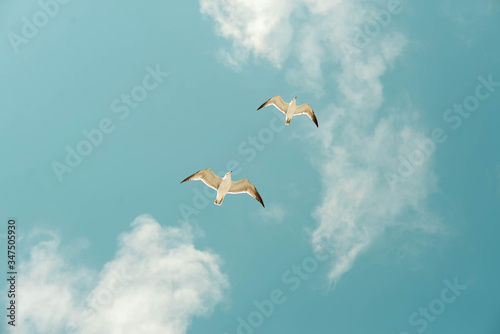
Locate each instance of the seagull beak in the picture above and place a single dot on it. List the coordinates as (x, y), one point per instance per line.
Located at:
(230, 172)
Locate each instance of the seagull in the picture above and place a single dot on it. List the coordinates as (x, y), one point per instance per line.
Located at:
(225, 185)
(290, 109)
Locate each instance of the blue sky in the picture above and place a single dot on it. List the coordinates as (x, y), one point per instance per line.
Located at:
(382, 220)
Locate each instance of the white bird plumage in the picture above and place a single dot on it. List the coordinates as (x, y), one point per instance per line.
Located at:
(225, 185)
(290, 109)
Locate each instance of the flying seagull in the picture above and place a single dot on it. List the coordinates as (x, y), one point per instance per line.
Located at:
(290, 109)
(225, 185)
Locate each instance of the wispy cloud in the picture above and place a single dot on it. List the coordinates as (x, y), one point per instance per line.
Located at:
(308, 34)
(257, 27)
(274, 213)
(359, 138)
(464, 17)
(157, 282)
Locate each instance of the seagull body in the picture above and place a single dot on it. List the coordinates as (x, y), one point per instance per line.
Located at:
(225, 185)
(290, 109)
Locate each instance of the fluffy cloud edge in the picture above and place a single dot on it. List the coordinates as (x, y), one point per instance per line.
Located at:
(157, 282)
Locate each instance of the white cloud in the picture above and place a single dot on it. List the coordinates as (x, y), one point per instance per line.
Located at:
(308, 33)
(156, 283)
(359, 140)
(358, 204)
(258, 26)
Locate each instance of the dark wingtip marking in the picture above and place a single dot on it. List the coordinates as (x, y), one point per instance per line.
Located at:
(262, 105)
(190, 176)
(315, 120)
(259, 198)
(261, 201)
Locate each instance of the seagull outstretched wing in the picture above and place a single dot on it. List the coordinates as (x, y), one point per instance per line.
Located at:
(207, 176)
(245, 186)
(306, 109)
(276, 101)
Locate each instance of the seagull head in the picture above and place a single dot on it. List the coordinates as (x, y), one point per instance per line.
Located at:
(228, 174)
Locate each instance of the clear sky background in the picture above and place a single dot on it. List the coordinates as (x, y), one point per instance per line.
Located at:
(114, 244)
